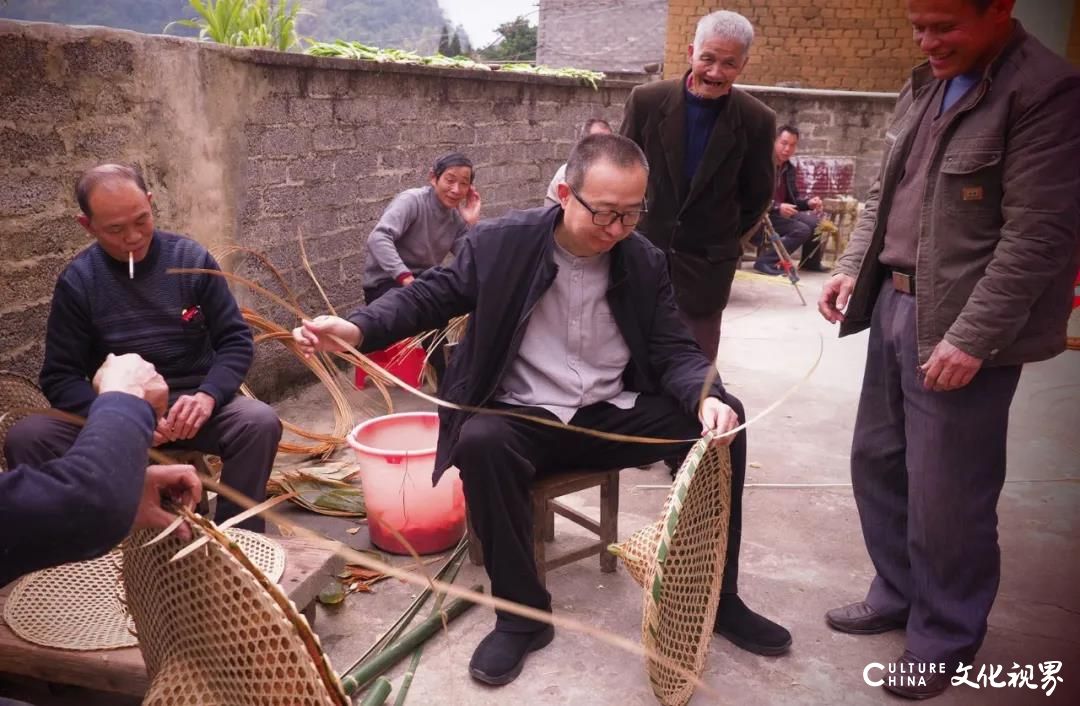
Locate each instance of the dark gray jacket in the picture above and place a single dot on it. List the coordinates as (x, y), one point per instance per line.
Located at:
(505, 265)
(998, 239)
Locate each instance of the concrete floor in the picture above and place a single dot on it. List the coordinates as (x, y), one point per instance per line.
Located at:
(802, 551)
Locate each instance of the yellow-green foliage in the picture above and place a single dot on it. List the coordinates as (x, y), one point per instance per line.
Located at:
(245, 23)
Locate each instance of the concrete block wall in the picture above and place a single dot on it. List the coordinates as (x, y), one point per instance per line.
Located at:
(846, 125)
(248, 148)
(862, 45)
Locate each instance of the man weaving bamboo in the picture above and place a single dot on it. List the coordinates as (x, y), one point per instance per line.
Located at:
(117, 296)
(572, 318)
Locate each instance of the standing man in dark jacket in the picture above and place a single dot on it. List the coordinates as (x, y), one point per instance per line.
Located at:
(709, 147)
(572, 318)
(116, 296)
(962, 267)
(81, 505)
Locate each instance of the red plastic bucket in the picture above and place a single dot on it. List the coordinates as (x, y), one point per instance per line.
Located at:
(409, 367)
(396, 455)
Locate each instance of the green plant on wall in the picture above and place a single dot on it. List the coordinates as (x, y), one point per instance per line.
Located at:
(245, 23)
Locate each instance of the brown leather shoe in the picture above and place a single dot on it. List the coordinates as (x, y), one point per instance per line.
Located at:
(860, 619)
(912, 678)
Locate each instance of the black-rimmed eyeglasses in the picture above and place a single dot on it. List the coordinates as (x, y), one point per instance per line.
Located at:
(606, 218)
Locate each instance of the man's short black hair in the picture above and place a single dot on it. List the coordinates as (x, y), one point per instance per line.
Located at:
(787, 128)
(620, 151)
(454, 159)
(102, 173)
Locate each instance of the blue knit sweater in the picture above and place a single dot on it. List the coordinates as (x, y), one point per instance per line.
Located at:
(188, 325)
(701, 116)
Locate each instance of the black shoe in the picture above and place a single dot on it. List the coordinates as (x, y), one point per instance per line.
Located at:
(767, 269)
(912, 679)
(813, 267)
(499, 657)
(860, 619)
(748, 630)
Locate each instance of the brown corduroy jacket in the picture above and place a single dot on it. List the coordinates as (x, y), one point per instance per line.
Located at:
(998, 243)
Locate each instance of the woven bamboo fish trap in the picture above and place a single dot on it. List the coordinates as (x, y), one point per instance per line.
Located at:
(215, 631)
(81, 605)
(679, 561)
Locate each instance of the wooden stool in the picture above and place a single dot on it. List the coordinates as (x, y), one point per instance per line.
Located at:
(544, 505)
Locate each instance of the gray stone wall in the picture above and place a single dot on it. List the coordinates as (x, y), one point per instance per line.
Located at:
(847, 125)
(602, 35)
(250, 148)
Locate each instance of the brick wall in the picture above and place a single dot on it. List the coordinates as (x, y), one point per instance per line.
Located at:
(861, 45)
(245, 147)
(602, 35)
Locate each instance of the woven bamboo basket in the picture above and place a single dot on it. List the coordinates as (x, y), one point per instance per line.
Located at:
(18, 395)
(215, 631)
(679, 561)
(81, 605)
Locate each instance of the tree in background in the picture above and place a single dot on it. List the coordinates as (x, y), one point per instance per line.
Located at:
(465, 46)
(450, 44)
(415, 25)
(444, 41)
(517, 42)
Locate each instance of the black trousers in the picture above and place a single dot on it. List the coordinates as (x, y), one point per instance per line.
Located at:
(498, 457)
(437, 355)
(244, 433)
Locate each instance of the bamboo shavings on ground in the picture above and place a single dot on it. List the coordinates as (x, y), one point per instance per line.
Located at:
(323, 489)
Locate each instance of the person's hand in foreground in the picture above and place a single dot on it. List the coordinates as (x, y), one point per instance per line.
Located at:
(470, 206)
(949, 368)
(186, 417)
(178, 484)
(718, 419)
(315, 335)
(834, 297)
(130, 374)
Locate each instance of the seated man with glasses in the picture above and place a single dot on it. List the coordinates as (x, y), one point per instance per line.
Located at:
(572, 319)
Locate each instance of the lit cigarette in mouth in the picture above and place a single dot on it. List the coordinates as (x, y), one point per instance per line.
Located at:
(131, 265)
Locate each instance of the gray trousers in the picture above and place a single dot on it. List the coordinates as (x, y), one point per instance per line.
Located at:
(927, 469)
(244, 433)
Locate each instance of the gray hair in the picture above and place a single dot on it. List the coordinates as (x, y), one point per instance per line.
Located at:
(726, 25)
(100, 174)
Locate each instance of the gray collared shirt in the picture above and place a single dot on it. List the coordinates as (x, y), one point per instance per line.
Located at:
(572, 354)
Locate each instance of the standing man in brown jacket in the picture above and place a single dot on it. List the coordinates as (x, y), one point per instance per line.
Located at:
(709, 147)
(962, 267)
